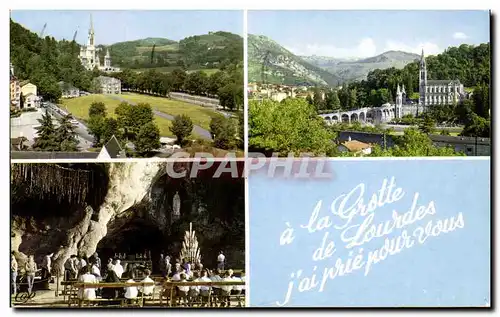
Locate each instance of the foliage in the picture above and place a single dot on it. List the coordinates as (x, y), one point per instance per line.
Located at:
(291, 126)
(427, 125)
(97, 109)
(223, 132)
(182, 126)
(45, 62)
(46, 139)
(477, 126)
(65, 135)
(225, 84)
(148, 138)
(414, 143)
(212, 50)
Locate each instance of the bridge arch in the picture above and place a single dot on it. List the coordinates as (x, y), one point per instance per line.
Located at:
(345, 117)
(354, 117)
(362, 117)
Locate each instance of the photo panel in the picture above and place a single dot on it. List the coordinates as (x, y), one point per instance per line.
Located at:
(354, 233)
(343, 84)
(121, 84)
(129, 234)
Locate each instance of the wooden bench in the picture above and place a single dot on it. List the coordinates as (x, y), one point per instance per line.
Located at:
(74, 295)
(169, 292)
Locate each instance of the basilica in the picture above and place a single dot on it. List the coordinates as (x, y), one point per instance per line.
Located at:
(89, 54)
(437, 92)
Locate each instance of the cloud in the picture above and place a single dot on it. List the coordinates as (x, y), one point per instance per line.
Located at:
(459, 36)
(429, 47)
(365, 48)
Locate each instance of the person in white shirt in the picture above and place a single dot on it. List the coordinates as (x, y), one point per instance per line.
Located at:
(95, 270)
(220, 261)
(236, 288)
(110, 264)
(147, 290)
(87, 277)
(216, 289)
(226, 290)
(204, 290)
(182, 291)
(118, 268)
(177, 275)
(131, 292)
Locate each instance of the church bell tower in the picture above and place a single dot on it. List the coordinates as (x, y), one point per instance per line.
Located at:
(422, 80)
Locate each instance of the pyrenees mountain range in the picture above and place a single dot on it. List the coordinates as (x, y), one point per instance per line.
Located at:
(270, 62)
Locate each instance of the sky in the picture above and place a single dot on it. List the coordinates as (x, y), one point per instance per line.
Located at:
(118, 26)
(358, 34)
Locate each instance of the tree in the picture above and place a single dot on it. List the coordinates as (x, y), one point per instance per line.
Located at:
(481, 97)
(309, 100)
(97, 108)
(110, 128)
(148, 138)
(223, 132)
(96, 127)
(477, 126)
(182, 126)
(414, 143)
(332, 100)
(124, 118)
(241, 129)
(291, 126)
(353, 99)
(427, 125)
(46, 135)
(66, 135)
(138, 116)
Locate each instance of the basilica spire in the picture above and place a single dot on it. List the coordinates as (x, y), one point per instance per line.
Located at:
(91, 31)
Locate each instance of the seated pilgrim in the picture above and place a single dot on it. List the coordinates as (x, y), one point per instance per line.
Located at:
(131, 292)
(177, 275)
(216, 277)
(182, 290)
(95, 270)
(194, 290)
(204, 290)
(87, 277)
(118, 268)
(147, 290)
(111, 292)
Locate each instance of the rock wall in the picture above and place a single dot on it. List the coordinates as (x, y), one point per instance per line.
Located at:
(129, 184)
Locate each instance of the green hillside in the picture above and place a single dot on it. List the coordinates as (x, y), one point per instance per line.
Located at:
(205, 51)
(268, 61)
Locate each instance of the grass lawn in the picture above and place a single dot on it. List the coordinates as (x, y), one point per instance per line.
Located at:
(79, 107)
(200, 116)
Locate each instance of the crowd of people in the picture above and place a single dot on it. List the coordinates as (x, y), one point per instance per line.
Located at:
(91, 270)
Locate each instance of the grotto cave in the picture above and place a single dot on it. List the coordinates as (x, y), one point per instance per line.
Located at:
(123, 207)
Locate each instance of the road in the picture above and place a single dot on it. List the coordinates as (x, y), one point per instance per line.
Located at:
(401, 128)
(197, 129)
(84, 138)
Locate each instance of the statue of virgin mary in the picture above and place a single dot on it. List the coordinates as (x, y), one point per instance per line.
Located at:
(176, 205)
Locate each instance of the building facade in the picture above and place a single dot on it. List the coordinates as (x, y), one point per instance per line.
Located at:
(437, 92)
(89, 54)
(68, 90)
(108, 85)
(15, 89)
(15, 92)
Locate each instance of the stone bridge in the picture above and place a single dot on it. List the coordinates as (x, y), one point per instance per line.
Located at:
(375, 115)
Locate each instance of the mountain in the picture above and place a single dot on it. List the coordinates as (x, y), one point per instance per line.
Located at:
(268, 59)
(349, 70)
(199, 51)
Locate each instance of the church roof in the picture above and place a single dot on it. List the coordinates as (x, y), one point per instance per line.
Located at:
(443, 82)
